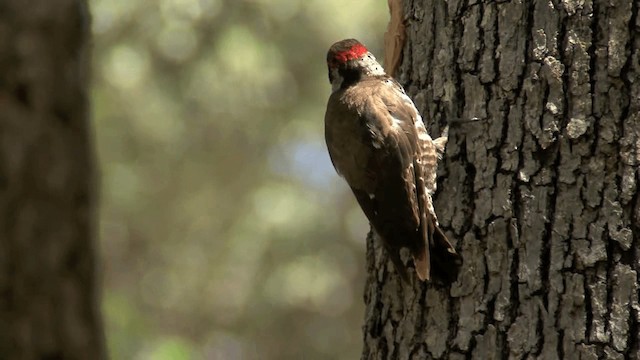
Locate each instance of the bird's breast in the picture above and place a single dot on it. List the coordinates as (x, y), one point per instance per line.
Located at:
(353, 146)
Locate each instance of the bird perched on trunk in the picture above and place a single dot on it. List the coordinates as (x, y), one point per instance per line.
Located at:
(379, 144)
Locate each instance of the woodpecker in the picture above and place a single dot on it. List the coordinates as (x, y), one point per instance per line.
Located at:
(379, 144)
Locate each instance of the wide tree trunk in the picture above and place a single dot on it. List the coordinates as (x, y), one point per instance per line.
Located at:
(540, 195)
(48, 290)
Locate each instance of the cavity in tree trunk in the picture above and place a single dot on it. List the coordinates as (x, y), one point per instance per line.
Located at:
(48, 291)
(540, 196)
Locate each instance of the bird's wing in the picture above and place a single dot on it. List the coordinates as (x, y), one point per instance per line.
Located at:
(415, 151)
(437, 247)
(425, 164)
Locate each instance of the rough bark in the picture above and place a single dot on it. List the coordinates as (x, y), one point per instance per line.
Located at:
(541, 195)
(48, 291)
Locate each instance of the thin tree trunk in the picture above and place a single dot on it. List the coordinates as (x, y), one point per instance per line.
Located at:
(48, 290)
(541, 196)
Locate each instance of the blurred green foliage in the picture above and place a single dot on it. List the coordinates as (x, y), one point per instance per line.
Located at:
(225, 233)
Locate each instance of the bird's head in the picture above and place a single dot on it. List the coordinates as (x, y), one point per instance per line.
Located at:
(349, 61)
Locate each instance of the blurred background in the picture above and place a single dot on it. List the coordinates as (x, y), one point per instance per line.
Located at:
(224, 231)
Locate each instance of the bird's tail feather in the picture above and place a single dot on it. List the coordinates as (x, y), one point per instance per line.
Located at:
(422, 266)
(445, 261)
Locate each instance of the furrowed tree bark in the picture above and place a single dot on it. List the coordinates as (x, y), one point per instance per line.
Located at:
(541, 195)
(48, 290)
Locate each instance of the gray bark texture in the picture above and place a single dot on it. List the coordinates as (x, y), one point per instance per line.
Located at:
(541, 196)
(48, 290)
